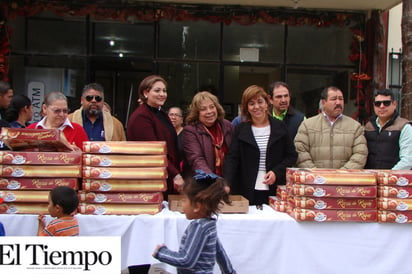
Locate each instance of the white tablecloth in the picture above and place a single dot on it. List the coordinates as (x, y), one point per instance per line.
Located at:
(262, 241)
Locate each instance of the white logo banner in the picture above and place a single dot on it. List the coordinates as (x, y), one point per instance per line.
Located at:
(60, 255)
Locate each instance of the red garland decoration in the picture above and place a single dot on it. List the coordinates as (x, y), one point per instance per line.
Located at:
(4, 48)
(360, 78)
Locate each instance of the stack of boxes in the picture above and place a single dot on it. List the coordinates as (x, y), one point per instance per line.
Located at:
(26, 178)
(123, 177)
(328, 195)
(394, 196)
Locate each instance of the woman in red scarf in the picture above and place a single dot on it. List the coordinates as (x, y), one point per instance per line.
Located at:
(207, 135)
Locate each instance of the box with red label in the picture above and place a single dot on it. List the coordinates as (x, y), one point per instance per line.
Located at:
(333, 203)
(333, 191)
(117, 185)
(281, 192)
(278, 204)
(119, 209)
(332, 215)
(37, 183)
(400, 217)
(394, 177)
(116, 160)
(121, 197)
(40, 158)
(24, 208)
(125, 147)
(399, 192)
(124, 172)
(395, 204)
(35, 139)
(40, 171)
(39, 196)
(330, 176)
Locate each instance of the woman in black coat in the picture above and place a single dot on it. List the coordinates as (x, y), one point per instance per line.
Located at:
(261, 150)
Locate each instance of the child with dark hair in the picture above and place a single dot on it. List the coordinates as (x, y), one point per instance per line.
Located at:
(63, 202)
(200, 246)
(20, 111)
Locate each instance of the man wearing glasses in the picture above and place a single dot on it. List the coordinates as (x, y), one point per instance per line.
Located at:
(388, 135)
(99, 125)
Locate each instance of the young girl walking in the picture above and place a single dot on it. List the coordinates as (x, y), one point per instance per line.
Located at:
(200, 247)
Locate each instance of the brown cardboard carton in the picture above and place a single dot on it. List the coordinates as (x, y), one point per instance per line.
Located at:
(395, 204)
(239, 204)
(119, 209)
(37, 183)
(333, 203)
(332, 215)
(116, 160)
(34, 196)
(399, 217)
(125, 147)
(40, 171)
(24, 208)
(35, 139)
(118, 185)
(121, 197)
(399, 192)
(333, 191)
(330, 176)
(40, 158)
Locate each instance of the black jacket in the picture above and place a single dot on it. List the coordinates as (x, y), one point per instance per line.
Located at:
(242, 161)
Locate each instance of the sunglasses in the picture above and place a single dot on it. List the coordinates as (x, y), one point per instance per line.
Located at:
(89, 98)
(386, 103)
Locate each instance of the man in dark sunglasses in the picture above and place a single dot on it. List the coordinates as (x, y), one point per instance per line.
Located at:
(99, 124)
(389, 136)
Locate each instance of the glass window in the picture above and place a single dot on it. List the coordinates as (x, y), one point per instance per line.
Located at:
(324, 46)
(185, 79)
(57, 37)
(123, 39)
(266, 38)
(189, 40)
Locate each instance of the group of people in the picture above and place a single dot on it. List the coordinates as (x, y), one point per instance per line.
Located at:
(251, 153)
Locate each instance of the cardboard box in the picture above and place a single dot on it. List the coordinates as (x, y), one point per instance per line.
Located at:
(121, 197)
(34, 196)
(125, 172)
(398, 192)
(282, 193)
(395, 204)
(35, 139)
(119, 209)
(394, 177)
(125, 147)
(331, 215)
(113, 160)
(333, 191)
(278, 204)
(24, 208)
(37, 183)
(117, 185)
(40, 158)
(316, 176)
(333, 203)
(399, 217)
(239, 204)
(40, 171)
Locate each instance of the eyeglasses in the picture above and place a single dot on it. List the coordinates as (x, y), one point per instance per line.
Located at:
(58, 110)
(386, 103)
(174, 115)
(89, 98)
